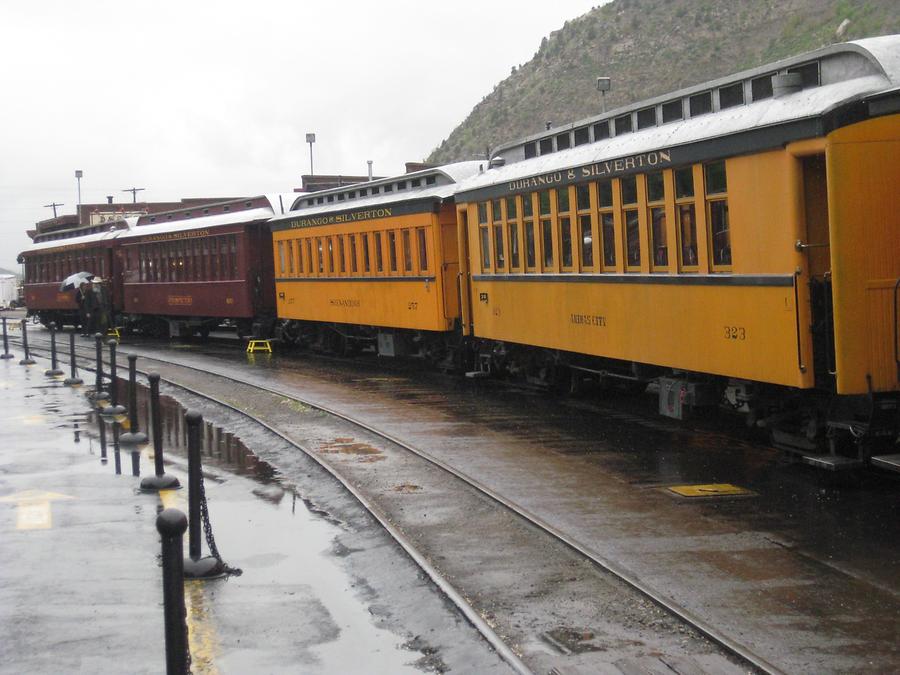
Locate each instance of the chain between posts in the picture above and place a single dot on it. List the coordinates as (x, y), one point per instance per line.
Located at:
(208, 532)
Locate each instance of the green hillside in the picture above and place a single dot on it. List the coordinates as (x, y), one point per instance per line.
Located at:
(649, 47)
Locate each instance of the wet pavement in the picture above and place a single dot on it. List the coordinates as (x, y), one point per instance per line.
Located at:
(803, 570)
(323, 589)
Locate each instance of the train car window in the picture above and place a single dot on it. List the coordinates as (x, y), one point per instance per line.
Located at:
(687, 234)
(329, 246)
(731, 95)
(311, 265)
(330, 199)
(513, 227)
(562, 200)
(583, 197)
(300, 265)
(354, 264)
(623, 124)
(379, 253)
(604, 194)
(546, 146)
(672, 111)
(563, 142)
(655, 187)
(423, 249)
(530, 259)
(700, 104)
(499, 249)
(547, 243)
(608, 226)
(320, 257)
(809, 74)
(582, 136)
(761, 87)
(717, 214)
(342, 260)
(485, 243)
(416, 182)
(658, 242)
(364, 242)
(601, 130)
(430, 180)
(341, 197)
(565, 232)
(659, 249)
(407, 251)
(587, 241)
(530, 150)
(225, 258)
(544, 202)
(715, 178)
(646, 118)
(363, 192)
(629, 190)
(290, 257)
(401, 185)
(392, 249)
(684, 183)
(527, 205)
(632, 240)
(482, 213)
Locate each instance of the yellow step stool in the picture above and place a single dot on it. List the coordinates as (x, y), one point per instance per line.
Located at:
(259, 346)
(114, 332)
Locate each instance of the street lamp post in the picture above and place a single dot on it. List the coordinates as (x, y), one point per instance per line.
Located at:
(311, 138)
(603, 86)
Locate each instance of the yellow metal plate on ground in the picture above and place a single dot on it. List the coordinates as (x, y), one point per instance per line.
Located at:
(710, 490)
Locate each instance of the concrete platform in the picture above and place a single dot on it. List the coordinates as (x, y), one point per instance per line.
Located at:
(80, 582)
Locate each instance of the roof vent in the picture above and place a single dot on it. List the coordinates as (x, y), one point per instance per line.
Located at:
(497, 162)
(785, 84)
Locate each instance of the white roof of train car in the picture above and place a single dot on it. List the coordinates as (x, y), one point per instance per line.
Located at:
(806, 103)
(454, 172)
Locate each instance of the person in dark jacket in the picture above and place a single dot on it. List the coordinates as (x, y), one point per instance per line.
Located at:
(90, 309)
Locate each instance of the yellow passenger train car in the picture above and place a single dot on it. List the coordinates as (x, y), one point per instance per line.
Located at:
(736, 241)
(373, 264)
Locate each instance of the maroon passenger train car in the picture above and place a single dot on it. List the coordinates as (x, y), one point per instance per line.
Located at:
(185, 271)
(56, 255)
(172, 273)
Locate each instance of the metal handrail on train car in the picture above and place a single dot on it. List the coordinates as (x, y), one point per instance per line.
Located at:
(896, 329)
(797, 321)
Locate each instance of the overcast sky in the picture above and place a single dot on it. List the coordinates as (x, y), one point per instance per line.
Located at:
(199, 99)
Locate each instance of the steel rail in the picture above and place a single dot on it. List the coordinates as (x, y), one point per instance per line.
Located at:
(478, 622)
(732, 646)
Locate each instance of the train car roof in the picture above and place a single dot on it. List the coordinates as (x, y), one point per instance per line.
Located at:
(846, 73)
(93, 238)
(237, 211)
(435, 183)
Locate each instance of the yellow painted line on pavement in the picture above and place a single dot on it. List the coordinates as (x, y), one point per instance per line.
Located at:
(710, 490)
(33, 511)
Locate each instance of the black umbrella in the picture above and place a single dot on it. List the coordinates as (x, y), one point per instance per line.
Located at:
(73, 281)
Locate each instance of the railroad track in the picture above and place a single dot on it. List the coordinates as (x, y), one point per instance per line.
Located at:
(730, 645)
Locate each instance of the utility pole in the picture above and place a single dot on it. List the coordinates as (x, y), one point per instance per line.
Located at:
(133, 192)
(53, 206)
(78, 174)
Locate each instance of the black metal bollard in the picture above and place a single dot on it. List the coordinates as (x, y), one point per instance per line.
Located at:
(53, 370)
(27, 361)
(196, 567)
(73, 380)
(5, 354)
(134, 438)
(114, 409)
(171, 524)
(101, 398)
(101, 425)
(162, 480)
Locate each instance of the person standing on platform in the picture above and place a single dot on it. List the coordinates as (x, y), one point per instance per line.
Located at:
(82, 312)
(90, 305)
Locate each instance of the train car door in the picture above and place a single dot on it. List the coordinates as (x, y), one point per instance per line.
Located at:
(817, 248)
